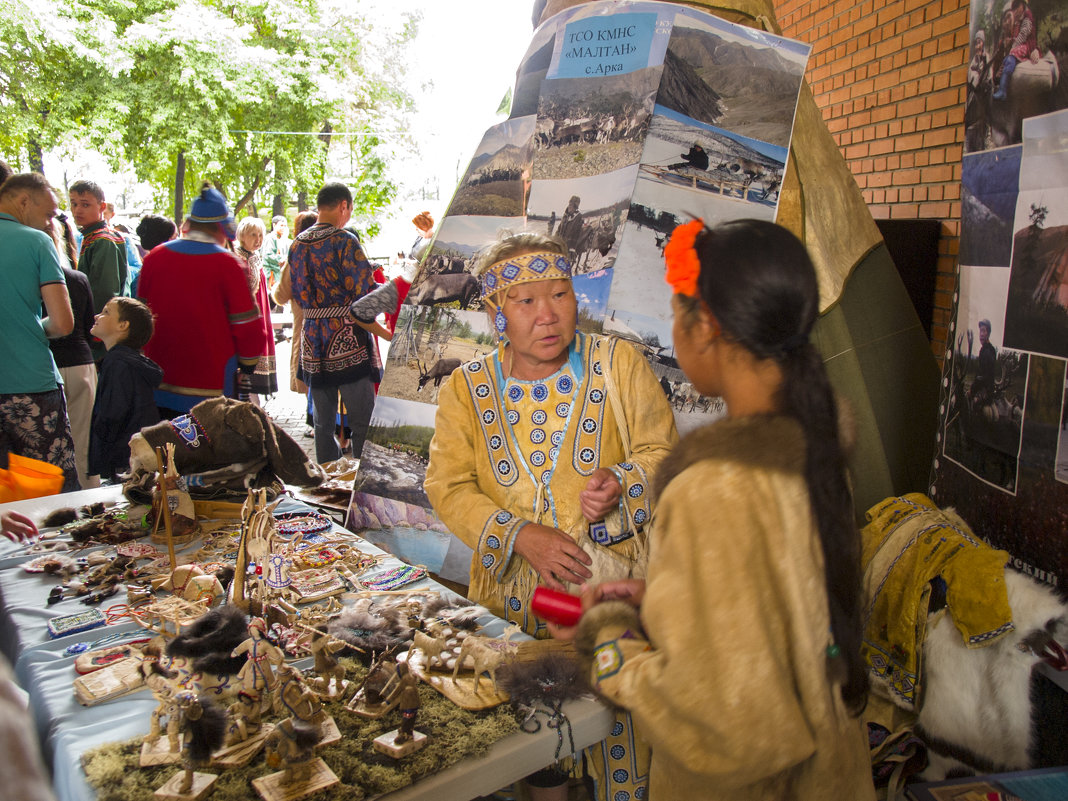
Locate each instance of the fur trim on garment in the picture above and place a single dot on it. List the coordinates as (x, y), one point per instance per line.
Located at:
(615, 614)
(762, 442)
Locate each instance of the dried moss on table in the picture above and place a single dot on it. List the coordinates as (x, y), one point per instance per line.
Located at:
(455, 734)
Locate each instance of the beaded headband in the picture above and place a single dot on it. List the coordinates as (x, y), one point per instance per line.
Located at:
(523, 269)
(680, 255)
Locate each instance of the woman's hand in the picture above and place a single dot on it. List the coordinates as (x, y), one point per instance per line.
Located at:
(16, 526)
(630, 591)
(601, 495)
(553, 555)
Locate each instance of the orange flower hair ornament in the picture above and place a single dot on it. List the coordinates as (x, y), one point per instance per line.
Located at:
(683, 266)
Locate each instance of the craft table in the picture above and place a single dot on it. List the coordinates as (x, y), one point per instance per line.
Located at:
(67, 729)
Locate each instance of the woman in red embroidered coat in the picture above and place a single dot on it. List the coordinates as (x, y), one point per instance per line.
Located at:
(250, 233)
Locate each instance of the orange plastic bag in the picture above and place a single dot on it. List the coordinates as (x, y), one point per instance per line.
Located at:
(28, 478)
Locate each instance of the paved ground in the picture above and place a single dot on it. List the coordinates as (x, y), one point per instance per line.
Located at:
(289, 409)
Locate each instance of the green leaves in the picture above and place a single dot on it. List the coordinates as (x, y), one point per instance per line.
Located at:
(242, 88)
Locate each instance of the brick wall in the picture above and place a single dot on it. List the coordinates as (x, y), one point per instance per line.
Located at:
(889, 78)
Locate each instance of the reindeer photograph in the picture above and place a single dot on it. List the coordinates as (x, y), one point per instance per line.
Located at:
(999, 99)
(587, 213)
(592, 126)
(533, 69)
(683, 152)
(988, 384)
(651, 337)
(498, 177)
(428, 345)
(445, 277)
(742, 83)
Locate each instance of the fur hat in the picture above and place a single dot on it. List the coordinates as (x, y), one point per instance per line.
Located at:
(220, 432)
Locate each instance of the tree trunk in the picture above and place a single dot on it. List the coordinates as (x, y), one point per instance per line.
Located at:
(179, 188)
(249, 196)
(36, 156)
(278, 207)
(302, 201)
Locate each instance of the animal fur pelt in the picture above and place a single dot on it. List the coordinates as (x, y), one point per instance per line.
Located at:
(460, 613)
(107, 527)
(372, 626)
(68, 514)
(976, 713)
(305, 735)
(59, 517)
(207, 732)
(140, 485)
(219, 432)
(211, 638)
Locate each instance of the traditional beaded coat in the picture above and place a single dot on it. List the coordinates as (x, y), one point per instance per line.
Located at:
(508, 452)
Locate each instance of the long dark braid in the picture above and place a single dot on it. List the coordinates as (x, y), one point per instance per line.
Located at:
(759, 282)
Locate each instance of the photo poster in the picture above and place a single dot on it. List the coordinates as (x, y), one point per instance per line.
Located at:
(627, 119)
(1002, 452)
(1016, 63)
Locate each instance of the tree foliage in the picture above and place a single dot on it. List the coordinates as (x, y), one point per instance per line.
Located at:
(261, 97)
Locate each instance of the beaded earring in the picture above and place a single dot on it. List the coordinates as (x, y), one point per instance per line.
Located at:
(500, 323)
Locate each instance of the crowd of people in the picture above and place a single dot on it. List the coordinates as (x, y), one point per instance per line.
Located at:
(105, 330)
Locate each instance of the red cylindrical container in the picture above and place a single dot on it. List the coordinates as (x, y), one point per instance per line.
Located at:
(557, 607)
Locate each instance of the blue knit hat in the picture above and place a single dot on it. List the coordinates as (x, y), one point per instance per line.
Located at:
(211, 207)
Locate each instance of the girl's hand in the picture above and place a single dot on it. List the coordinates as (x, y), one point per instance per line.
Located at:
(630, 591)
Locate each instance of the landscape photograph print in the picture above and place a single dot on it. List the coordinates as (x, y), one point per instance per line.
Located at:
(745, 81)
(498, 177)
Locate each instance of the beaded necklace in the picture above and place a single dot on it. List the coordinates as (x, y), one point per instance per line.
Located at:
(567, 382)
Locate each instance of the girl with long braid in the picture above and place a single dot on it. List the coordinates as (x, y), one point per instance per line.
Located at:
(739, 655)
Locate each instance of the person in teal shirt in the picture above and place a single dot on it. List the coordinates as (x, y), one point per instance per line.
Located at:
(33, 412)
(276, 249)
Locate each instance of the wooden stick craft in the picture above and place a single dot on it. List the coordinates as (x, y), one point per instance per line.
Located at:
(165, 509)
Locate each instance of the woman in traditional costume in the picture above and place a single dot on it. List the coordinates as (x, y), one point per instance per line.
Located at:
(739, 657)
(542, 455)
(250, 232)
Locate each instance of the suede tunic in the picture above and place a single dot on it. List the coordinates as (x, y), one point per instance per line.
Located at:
(726, 672)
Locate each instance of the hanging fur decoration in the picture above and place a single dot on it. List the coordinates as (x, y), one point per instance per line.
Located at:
(549, 681)
(540, 687)
(211, 638)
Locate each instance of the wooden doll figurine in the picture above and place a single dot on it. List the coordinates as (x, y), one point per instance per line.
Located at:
(203, 728)
(256, 677)
(296, 698)
(160, 681)
(258, 672)
(330, 672)
(291, 746)
(407, 694)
